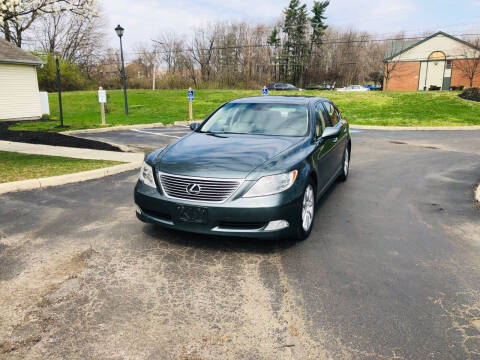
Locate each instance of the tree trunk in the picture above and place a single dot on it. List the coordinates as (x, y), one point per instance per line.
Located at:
(6, 30)
(19, 39)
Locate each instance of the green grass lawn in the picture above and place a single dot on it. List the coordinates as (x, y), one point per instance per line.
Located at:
(435, 108)
(16, 166)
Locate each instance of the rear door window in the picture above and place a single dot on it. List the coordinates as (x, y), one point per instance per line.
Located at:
(328, 121)
(319, 120)
(332, 113)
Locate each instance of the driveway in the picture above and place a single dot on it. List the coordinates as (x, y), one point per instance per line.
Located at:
(390, 271)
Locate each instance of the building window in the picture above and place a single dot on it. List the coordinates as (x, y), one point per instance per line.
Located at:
(437, 55)
(449, 64)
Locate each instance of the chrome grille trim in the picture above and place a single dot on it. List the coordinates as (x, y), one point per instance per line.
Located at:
(213, 190)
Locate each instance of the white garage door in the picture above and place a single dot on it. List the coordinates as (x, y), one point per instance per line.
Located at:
(19, 97)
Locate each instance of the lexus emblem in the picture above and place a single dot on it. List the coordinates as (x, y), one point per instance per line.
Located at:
(193, 189)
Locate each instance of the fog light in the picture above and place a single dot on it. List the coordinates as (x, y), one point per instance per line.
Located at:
(139, 211)
(277, 225)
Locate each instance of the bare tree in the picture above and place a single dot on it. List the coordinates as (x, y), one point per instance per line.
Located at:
(469, 66)
(77, 39)
(202, 49)
(17, 16)
(146, 58)
(391, 62)
(170, 48)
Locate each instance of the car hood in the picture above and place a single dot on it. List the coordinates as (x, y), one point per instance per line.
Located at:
(221, 155)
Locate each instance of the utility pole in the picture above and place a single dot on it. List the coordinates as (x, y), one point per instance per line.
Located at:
(154, 75)
(249, 60)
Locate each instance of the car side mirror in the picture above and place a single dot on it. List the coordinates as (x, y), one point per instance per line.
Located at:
(330, 132)
(194, 126)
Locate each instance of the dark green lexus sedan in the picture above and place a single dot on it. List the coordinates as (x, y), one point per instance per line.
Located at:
(254, 168)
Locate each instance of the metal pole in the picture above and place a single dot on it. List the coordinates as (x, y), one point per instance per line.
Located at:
(124, 80)
(249, 60)
(59, 89)
(154, 73)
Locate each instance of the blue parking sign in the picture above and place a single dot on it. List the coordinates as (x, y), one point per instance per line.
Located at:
(190, 95)
(265, 91)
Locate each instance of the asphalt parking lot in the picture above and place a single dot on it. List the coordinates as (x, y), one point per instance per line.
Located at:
(390, 271)
(140, 139)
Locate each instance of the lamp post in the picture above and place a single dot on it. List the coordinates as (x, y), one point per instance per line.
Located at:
(59, 89)
(119, 30)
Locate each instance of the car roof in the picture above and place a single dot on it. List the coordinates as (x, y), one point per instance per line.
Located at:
(299, 100)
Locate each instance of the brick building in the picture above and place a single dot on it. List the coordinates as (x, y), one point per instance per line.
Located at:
(438, 60)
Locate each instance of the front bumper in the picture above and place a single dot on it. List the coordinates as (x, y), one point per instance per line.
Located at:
(242, 217)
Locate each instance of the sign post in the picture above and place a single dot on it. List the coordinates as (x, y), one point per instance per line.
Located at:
(102, 99)
(190, 103)
(265, 91)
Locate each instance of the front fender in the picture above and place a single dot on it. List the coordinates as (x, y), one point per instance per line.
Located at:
(296, 157)
(153, 157)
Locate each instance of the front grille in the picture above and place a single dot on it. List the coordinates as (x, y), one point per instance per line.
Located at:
(198, 189)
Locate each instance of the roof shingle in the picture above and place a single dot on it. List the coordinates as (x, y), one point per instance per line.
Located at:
(11, 54)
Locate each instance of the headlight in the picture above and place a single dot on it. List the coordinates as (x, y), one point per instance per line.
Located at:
(272, 184)
(146, 175)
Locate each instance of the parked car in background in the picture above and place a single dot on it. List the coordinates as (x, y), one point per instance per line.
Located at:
(372, 87)
(254, 168)
(323, 86)
(353, 88)
(282, 87)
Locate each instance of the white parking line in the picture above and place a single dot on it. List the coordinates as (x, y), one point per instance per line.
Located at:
(152, 133)
(166, 130)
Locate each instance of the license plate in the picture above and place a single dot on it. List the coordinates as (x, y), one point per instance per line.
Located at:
(193, 214)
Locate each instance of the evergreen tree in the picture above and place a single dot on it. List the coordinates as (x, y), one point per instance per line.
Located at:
(295, 45)
(317, 21)
(275, 42)
(273, 39)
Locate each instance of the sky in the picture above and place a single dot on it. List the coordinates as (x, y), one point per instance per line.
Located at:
(144, 20)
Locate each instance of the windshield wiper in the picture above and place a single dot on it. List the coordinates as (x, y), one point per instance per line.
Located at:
(211, 133)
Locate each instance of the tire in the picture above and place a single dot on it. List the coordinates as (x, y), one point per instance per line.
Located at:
(345, 165)
(307, 209)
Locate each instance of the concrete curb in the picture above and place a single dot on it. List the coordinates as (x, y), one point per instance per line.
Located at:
(40, 183)
(113, 128)
(410, 128)
(186, 123)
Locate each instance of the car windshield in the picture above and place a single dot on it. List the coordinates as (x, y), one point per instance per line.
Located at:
(259, 119)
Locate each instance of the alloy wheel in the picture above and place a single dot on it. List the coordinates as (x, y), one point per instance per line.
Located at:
(307, 208)
(346, 163)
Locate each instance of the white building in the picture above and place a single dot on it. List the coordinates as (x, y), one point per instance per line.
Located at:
(19, 95)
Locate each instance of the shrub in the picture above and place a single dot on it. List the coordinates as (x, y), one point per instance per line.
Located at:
(71, 77)
(471, 94)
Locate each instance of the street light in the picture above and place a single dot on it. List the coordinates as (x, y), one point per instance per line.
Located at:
(119, 30)
(59, 89)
